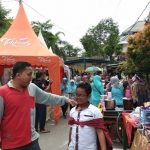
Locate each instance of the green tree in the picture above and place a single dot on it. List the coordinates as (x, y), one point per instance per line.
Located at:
(102, 40)
(4, 21)
(59, 47)
(89, 45)
(45, 26)
(70, 50)
(138, 51)
(52, 40)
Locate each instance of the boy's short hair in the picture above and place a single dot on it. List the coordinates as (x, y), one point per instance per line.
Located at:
(86, 86)
(19, 67)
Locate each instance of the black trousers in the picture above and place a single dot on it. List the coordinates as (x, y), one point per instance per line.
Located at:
(64, 109)
(31, 146)
(71, 107)
(40, 118)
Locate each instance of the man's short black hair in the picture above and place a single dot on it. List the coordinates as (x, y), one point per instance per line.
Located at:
(86, 86)
(39, 74)
(19, 67)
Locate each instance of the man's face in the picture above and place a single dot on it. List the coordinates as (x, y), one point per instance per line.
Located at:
(25, 77)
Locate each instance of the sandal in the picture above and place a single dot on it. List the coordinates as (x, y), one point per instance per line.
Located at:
(44, 131)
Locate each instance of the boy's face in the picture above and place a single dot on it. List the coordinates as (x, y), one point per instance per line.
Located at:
(81, 96)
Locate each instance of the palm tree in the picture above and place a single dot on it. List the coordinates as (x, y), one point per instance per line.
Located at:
(52, 40)
(46, 26)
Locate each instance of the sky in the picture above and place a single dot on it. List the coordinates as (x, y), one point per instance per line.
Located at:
(75, 17)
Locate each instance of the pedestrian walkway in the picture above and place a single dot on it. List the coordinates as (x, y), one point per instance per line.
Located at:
(57, 139)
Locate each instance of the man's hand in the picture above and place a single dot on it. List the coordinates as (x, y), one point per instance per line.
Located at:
(71, 102)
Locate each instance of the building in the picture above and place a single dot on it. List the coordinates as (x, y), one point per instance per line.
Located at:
(81, 64)
(130, 32)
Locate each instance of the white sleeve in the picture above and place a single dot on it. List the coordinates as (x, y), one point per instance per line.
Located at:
(97, 114)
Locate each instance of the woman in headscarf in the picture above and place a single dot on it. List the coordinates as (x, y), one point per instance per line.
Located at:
(72, 90)
(78, 80)
(116, 90)
(65, 92)
(97, 90)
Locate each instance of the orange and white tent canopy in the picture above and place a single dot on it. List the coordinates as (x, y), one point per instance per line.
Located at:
(20, 43)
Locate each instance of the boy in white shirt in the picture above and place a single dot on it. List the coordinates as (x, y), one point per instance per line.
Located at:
(86, 123)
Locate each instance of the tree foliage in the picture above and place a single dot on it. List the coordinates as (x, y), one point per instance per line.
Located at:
(4, 21)
(70, 50)
(61, 48)
(138, 51)
(51, 39)
(102, 39)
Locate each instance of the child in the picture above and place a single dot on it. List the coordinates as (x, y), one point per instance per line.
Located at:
(86, 123)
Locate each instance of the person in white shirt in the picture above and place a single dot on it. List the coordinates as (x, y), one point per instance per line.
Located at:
(85, 137)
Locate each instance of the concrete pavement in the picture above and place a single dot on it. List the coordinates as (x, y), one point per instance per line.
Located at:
(57, 139)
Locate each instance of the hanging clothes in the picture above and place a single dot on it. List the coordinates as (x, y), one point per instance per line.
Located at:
(142, 93)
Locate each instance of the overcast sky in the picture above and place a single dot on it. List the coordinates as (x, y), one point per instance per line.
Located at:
(74, 17)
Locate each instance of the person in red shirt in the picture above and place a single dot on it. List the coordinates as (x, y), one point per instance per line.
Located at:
(17, 109)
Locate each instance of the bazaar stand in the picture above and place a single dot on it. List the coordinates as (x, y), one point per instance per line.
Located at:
(137, 128)
(129, 128)
(20, 43)
(124, 123)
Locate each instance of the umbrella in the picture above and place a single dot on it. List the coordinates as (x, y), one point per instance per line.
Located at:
(93, 69)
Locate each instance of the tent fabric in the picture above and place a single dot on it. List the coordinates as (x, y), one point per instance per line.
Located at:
(50, 49)
(41, 38)
(20, 43)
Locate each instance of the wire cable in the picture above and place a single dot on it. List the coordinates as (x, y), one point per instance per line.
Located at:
(117, 8)
(136, 20)
(139, 16)
(7, 1)
(51, 21)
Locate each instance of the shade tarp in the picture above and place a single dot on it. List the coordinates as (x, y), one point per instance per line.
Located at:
(20, 43)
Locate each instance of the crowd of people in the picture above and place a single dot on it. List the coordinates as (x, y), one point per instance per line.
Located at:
(82, 94)
(116, 83)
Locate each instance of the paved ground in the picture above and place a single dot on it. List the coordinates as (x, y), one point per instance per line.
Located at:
(57, 139)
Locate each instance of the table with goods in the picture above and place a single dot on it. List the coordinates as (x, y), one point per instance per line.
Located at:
(126, 123)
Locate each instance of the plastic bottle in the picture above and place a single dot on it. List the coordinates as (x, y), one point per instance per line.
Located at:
(127, 93)
(109, 96)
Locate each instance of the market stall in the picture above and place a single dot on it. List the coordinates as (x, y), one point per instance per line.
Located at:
(20, 43)
(129, 128)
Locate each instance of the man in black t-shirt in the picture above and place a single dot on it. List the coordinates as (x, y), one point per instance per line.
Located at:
(41, 108)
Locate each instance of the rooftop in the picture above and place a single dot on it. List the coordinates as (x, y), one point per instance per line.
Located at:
(134, 28)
